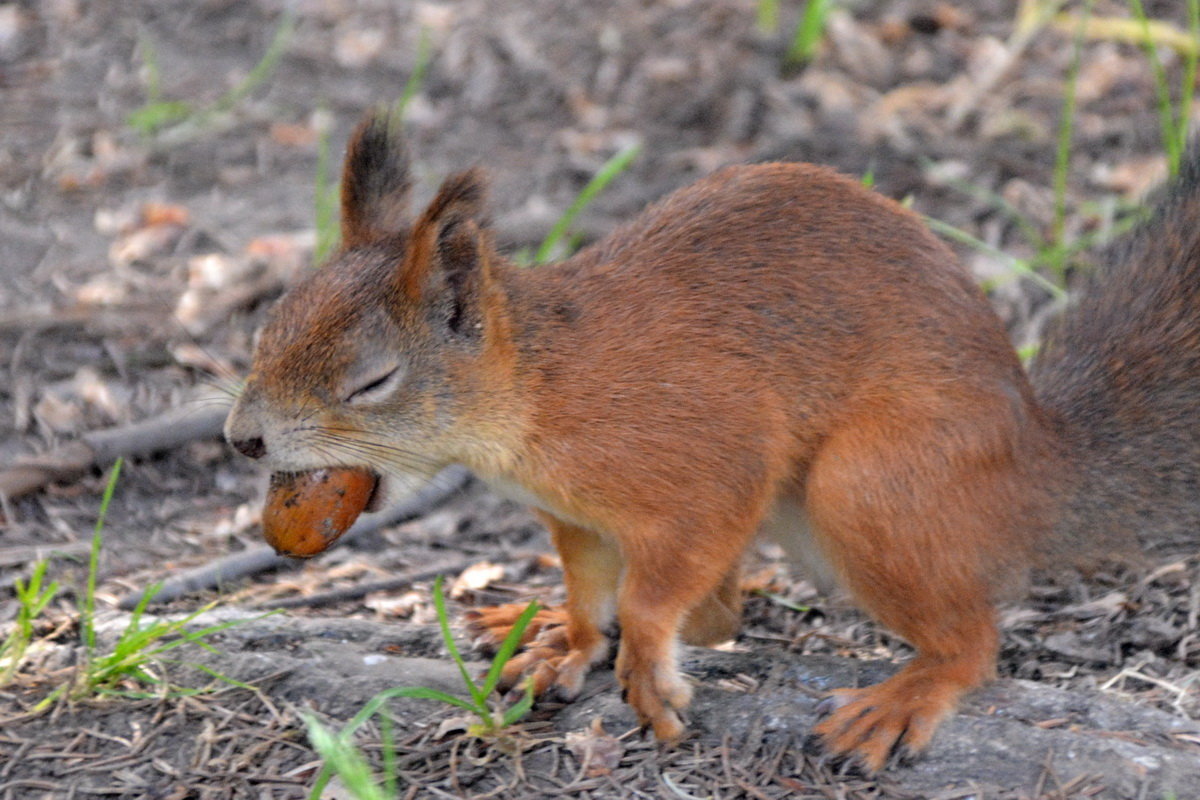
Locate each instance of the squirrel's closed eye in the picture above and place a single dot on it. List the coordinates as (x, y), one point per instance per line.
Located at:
(375, 388)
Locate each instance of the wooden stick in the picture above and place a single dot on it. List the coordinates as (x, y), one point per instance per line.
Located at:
(363, 589)
(202, 419)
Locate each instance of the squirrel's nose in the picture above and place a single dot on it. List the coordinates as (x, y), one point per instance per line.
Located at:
(252, 448)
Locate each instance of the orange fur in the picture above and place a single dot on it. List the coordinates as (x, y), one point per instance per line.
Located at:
(771, 336)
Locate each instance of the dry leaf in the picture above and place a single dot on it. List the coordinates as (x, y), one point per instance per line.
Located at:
(391, 606)
(155, 240)
(164, 214)
(453, 725)
(357, 48)
(476, 577)
(595, 749)
(293, 135)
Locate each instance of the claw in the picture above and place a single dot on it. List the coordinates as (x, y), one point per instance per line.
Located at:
(826, 706)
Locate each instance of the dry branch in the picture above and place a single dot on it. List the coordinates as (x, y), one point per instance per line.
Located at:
(200, 420)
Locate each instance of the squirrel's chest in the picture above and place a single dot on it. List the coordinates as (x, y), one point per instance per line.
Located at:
(519, 493)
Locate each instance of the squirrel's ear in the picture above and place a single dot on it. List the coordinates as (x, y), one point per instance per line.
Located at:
(375, 181)
(444, 265)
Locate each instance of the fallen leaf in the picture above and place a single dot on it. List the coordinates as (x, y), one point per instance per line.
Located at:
(453, 725)
(293, 135)
(476, 577)
(164, 214)
(595, 749)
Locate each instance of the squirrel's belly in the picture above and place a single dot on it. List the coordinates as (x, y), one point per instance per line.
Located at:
(788, 526)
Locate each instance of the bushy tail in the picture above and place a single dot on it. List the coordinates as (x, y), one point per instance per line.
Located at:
(1120, 374)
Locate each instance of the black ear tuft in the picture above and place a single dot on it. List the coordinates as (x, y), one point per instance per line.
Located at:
(461, 197)
(375, 181)
(446, 264)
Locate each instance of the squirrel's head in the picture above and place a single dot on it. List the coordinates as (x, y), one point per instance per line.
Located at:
(378, 358)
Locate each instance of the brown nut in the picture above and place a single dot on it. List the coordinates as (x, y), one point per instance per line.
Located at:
(306, 512)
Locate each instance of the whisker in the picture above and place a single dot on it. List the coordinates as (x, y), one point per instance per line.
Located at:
(441, 480)
(387, 446)
(366, 445)
(221, 371)
(381, 459)
(231, 389)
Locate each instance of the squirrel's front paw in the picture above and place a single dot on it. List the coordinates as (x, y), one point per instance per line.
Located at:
(557, 671)
(656, 691)
(490, 625)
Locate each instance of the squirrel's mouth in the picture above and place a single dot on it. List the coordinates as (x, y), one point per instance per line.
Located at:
(379, 494)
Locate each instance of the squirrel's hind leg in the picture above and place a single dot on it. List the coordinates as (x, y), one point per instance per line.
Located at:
(718, 617)
(910, 517)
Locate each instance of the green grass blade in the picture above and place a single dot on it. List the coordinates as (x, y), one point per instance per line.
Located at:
(376, 702)
(1162, 89)
(32, 599)
(809, 32)
(326, 190)
(767, 16)
(783, 602)
(994, 199)
(87, 610)
(509, 646)
(1014, 265)
(150, 70)
(611, 169)
(416, 79)
(520, 708)
(1062, 158)
(372, 706)
(868, 178)
(388, 746)
(439, 603)
(325, 204)
(342, 758)
(262, 70)
(1191, 60)
(197, 636)
(425, 693)
(153, 116)
(221, 677)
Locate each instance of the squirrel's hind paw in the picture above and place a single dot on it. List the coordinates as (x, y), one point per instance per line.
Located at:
(897, 717)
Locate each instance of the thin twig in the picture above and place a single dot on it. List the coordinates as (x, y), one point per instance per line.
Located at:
(100, 448)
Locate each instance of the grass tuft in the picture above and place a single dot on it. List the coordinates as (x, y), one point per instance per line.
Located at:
(32, 599)
(1173, 122)
(129, 667)
(176, 121)
(346, 761)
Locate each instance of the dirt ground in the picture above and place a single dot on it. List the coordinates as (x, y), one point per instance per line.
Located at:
(135, 265)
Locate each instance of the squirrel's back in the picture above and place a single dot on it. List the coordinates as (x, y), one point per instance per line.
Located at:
(1120, 375)
(791, 275)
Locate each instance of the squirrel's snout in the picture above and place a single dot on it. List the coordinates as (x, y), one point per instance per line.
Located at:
(251, 448)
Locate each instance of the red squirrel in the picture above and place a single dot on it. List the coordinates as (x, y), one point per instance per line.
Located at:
(774, 347)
